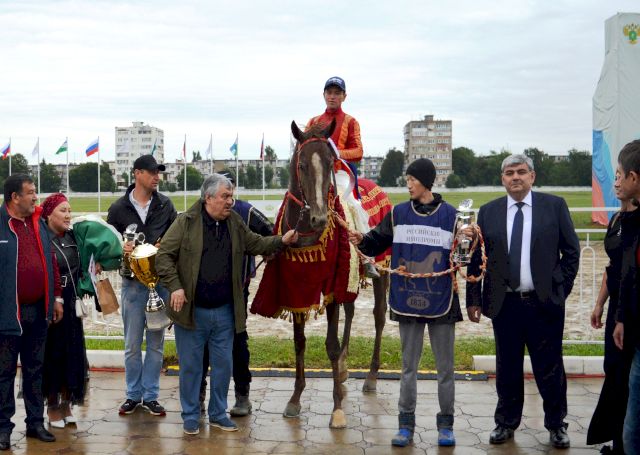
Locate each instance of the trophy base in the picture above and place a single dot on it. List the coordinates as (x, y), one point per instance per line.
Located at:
(155, 313)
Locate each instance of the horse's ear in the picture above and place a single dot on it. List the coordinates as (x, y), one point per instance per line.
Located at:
(328, 131)
(296, 131)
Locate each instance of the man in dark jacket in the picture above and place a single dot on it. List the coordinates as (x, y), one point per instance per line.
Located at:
(27, 287)
(152, 213)
(628, 315)
(200, 261)
(533, 254)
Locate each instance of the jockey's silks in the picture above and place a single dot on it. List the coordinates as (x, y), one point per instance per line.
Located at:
(421, 243)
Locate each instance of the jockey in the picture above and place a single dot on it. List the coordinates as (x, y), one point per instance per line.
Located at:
(346, 141)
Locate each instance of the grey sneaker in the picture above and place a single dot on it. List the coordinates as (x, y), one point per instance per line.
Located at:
(225, 424)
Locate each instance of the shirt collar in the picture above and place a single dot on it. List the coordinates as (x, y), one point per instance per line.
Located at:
(135, 202)
(528, 199)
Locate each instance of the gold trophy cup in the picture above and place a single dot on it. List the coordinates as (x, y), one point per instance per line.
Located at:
(143, 264)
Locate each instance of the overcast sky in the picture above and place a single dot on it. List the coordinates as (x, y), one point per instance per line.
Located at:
(510, 74)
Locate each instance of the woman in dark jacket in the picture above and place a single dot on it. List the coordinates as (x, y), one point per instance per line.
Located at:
(608, 417)
(65, 365)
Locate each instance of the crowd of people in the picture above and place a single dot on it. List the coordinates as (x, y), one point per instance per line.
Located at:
(205, 260)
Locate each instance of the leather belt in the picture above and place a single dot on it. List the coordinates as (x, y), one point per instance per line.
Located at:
(522, 294)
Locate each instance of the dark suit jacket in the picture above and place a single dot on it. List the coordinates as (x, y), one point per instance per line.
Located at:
(555, 253)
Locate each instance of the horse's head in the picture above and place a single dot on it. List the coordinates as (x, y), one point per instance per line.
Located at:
(310, 172)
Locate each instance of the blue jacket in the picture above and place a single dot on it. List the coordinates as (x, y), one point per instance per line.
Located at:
(9, 307)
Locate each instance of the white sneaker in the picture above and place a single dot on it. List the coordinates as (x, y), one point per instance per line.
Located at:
(56, 423)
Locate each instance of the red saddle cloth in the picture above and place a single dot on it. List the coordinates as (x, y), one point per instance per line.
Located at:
(377, 204)
(296, 279)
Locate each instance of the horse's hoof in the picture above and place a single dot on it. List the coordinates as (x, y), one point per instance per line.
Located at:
(338, 419)
(369, 385)
(292, 410)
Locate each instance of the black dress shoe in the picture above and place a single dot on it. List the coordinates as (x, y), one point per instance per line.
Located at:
(500, 435)
(40, 433)
(5, 441)
(559, 438)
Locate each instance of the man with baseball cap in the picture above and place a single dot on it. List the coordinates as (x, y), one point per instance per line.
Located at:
(152, 213)
(420, 233)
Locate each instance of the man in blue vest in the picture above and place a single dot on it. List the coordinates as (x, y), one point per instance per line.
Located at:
(259, 224)
(420, 233)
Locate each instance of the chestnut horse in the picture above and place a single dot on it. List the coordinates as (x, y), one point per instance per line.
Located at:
(319, 263)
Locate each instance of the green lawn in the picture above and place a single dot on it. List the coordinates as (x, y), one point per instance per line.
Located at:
(271, 351)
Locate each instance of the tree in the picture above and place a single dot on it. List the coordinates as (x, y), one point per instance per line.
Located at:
(50, 180)
(454, 181)
(252, 180)
(391, 168)
(84, 178)
(166, 186)
(464, 160)
(542, 164)
(19, 165)
(284, 177)
(196, 156)
(270, 154)
(194, 179)
(581, 167)
(268, 176)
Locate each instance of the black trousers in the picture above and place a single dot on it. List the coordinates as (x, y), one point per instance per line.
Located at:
(30, 347)
(528, 322)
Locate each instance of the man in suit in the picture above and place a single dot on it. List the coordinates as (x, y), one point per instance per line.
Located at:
(533, 254)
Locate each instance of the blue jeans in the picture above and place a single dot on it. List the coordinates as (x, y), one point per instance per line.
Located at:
(215, 327)
(142, 378)
(631, 431)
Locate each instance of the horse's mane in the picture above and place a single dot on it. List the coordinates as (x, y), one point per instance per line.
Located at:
(314, 130)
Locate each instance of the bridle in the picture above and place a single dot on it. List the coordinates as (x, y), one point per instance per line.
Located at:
(302, 201)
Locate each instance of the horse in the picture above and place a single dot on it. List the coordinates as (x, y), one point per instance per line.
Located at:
(321, 262)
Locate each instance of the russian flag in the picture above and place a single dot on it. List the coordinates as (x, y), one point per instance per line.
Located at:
(93, 148)
(6, 150)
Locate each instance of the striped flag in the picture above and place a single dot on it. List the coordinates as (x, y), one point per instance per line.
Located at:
(262, 148)
(63, 148)
(155, 146)
(209, 151)
(184, 148)
(36, 149)
(6, 150)
(94, 147)
(234, 148)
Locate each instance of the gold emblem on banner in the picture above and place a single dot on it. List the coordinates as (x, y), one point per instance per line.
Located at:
(631, 32)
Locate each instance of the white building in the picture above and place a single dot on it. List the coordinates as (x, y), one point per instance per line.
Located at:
(134, 141)
(370, 167)
(431, 139)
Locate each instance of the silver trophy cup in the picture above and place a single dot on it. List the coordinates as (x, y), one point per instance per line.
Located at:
(464, 217)
(130, 235)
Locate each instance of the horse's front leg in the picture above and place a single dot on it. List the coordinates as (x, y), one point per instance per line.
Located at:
(380, 286)
(338, 419)
(300, 341)
(346, 337)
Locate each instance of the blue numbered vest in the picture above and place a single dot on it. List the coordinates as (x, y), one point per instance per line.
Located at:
(422, 243)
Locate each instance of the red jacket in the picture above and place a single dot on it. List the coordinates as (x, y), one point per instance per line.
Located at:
(346, 135)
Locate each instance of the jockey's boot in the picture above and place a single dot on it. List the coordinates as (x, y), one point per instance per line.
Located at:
(370, 270)
(406, 424)
(242, 407)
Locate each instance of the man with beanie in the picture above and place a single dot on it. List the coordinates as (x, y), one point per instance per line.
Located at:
(420, 233)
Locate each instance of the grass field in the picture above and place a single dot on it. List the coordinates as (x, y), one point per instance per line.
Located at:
(574, 199)
(273, 352)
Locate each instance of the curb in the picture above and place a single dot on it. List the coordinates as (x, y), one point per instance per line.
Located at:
(573, 364)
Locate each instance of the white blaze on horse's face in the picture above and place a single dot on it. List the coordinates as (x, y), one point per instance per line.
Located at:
(316, 163)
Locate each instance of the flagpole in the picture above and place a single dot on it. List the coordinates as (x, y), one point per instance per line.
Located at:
(38, 145)
(99, 205)
(184, 156)
(237, 167)
(10, 156)
(211, 154)
(66, 140)
(262, 156)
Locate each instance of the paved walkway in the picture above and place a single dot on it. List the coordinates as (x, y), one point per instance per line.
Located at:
(371, 422)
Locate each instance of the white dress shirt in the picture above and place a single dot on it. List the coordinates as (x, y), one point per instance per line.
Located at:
(526, 280)
(142, 210)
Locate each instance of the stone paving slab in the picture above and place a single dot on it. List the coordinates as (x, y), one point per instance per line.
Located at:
(371, 422)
